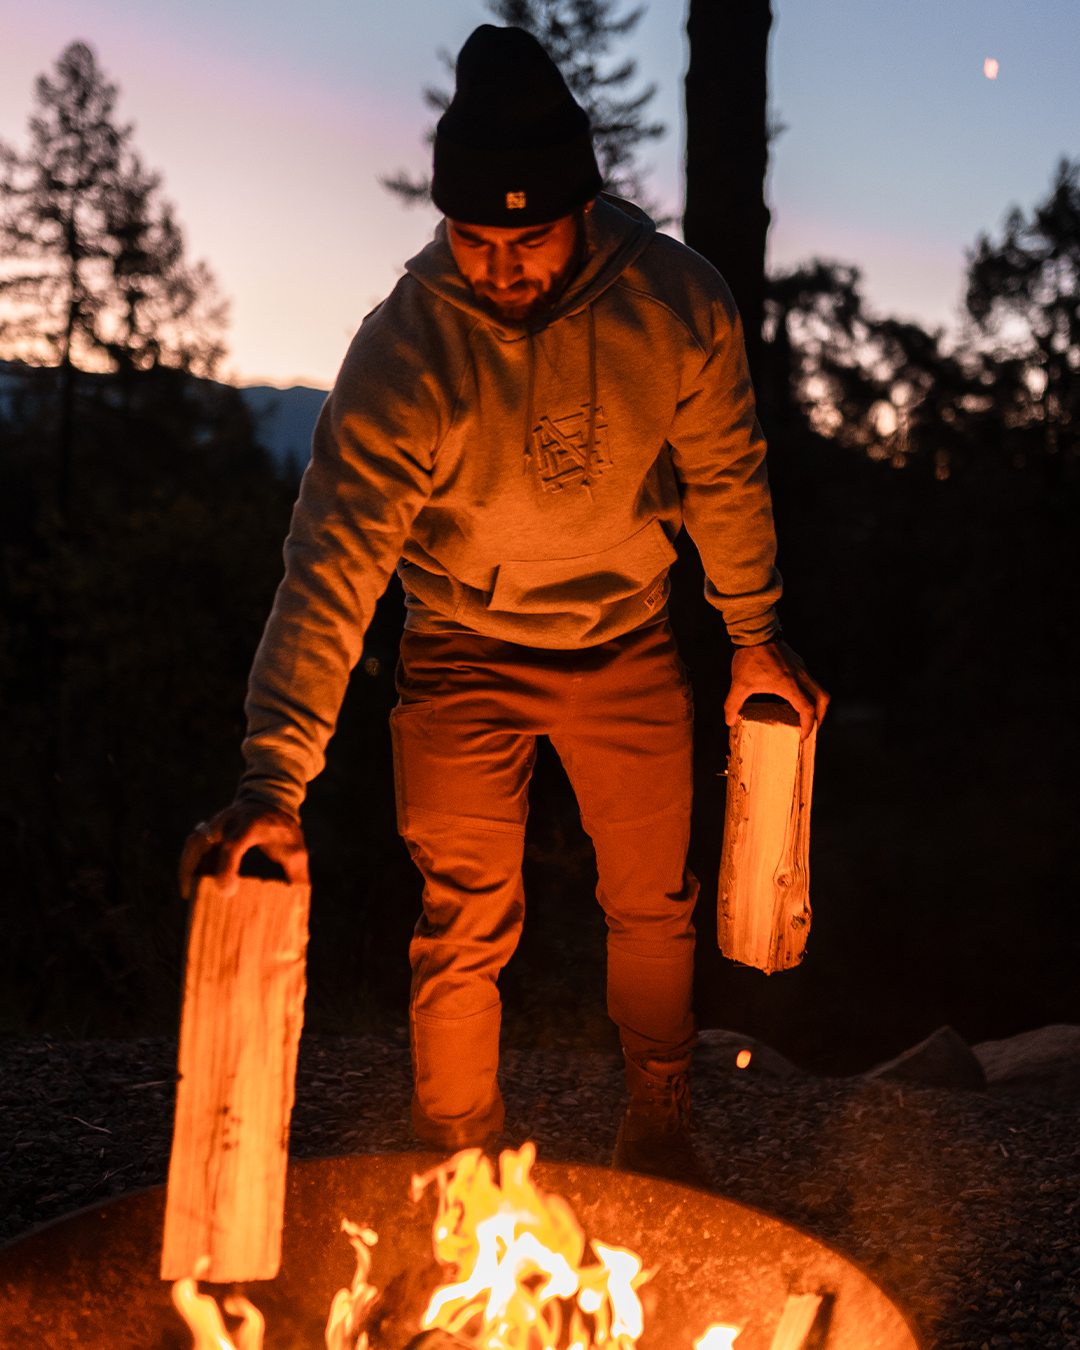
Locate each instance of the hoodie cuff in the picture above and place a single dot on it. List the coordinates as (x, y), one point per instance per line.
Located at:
(756, 629)
(272, 790)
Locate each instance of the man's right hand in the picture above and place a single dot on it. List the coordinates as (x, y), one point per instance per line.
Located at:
(215, 847)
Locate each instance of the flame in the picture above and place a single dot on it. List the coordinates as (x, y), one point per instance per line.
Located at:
(717, 1338)
(204, 1319)
(350, 1306)
(347, 1311)
(743, 1058)
(518, 1254)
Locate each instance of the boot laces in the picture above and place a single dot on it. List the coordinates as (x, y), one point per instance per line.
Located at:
(669, 1097)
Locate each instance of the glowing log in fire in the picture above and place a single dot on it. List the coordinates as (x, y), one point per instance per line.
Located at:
(519, 1254)
(796, 1321)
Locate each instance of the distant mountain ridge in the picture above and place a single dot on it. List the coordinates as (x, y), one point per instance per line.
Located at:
(285, 420)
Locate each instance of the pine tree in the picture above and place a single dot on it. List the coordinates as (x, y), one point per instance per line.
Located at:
(577, 35)
(1024, 295)
(93, 274)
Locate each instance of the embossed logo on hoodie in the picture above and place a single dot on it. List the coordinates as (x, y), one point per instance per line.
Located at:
(561, 450)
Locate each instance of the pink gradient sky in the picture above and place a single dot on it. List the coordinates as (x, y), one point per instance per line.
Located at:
(271, 122)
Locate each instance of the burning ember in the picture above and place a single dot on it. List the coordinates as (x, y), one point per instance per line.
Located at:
(524, 1275)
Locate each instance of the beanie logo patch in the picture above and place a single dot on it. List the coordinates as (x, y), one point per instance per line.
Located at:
(515, 201)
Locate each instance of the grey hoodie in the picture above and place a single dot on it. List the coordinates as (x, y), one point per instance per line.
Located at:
(527, 483)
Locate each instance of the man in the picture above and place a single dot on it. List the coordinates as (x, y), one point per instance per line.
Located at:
(522, 428)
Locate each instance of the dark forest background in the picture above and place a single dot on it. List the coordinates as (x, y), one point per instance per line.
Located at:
(927, 496)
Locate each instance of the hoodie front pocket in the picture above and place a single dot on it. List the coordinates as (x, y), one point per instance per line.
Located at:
(568, 585)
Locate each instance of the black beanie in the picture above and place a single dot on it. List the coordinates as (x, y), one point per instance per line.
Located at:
(513, 148)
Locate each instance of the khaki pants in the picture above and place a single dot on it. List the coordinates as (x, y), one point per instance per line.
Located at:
(620, 717)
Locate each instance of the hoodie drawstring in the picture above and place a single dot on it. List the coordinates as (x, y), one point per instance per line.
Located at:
(529, 400)
(590, 449)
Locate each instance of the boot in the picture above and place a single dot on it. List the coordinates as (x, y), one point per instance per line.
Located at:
(654, 1136)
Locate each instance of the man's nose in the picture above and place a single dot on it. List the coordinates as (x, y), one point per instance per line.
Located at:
(503, 268)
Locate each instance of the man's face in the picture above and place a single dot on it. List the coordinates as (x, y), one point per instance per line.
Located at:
(515, 271)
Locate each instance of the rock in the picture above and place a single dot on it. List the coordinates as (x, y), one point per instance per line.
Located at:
(1042, 1065)
(943, 1060)
(718, 1052)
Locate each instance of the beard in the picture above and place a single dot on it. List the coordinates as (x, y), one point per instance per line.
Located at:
(523, 301)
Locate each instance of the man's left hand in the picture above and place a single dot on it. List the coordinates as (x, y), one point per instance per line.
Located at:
(773, 668)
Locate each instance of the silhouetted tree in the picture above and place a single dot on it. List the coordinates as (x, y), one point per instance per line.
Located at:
(1024, 295)
(1005, 390)
(92, 268)
(577, 34)
(126, 633)
(727, 141)
(103, 280)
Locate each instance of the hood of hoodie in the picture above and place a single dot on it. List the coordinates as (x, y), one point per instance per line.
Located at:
(616, 234)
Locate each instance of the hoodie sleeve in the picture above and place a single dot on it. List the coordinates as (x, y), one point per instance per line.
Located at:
(718, 452)
(369, 476)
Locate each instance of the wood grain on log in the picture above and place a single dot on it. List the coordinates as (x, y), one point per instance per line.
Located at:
(763, 905)
(796, 1321)
(240, 1029)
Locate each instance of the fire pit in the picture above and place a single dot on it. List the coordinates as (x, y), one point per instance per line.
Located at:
(91, 1280)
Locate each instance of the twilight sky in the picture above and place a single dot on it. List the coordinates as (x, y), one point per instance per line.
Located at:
(271, 122)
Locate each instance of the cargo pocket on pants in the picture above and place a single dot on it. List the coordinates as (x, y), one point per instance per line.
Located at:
(409, 728)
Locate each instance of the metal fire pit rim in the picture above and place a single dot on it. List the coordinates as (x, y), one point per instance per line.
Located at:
(424, 1161)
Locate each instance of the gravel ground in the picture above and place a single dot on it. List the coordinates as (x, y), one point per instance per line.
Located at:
(962, 1205)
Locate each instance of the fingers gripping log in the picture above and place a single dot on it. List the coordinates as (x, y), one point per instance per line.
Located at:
(763, 905)
(243, 1010)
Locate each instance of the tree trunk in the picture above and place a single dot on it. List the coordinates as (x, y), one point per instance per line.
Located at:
(726, 219)
(65, 436)
(66, 382)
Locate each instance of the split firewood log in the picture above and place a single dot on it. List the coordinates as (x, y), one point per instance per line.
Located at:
(240, 1030)
(763, 904)
(796, 1321)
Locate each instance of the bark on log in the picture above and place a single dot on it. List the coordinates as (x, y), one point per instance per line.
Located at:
(763, 905)
(243, 1010)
